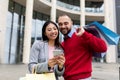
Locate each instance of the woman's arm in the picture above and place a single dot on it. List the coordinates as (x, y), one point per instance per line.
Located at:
(36, 60)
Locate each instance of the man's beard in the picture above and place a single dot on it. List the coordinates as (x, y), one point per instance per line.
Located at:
(67, 32)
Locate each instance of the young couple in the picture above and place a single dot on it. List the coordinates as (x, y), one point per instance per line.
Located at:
(75, 62)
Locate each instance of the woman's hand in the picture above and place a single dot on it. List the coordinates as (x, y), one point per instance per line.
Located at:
(52, 62)
(60, 61)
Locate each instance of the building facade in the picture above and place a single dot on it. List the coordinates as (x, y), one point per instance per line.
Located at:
(21, 23)
(118, 22)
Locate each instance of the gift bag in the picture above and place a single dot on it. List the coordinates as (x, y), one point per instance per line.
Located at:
(44, 76)
(22, 78)
(111, 37)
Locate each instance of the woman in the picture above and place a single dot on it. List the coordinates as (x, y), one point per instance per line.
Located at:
(41, 56)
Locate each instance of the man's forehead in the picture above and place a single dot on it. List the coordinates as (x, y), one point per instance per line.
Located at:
(64, 19)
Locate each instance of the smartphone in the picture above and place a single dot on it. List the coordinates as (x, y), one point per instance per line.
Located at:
(57, 52)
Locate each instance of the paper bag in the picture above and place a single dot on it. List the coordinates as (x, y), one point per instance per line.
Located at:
(45, 76)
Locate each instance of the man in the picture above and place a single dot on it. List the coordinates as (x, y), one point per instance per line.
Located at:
(78, 49)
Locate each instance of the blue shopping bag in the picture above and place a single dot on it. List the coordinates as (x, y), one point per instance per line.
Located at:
(111, 37)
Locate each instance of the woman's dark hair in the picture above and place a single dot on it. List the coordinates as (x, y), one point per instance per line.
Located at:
(45, 38)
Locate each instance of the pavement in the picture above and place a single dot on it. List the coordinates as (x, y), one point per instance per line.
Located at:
(101, 71)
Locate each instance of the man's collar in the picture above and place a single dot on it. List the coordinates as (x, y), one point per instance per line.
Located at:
(71, 32)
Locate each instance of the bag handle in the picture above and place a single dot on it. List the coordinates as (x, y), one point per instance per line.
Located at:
(33, 70)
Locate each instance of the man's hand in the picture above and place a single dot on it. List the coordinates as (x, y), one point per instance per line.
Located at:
(79, 31)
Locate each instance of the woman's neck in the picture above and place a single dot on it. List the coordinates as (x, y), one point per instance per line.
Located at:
(51, 43)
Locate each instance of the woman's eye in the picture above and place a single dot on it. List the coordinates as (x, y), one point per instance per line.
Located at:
(55, 29)
(49, 29)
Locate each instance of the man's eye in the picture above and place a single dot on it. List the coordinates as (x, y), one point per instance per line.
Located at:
(60, 24)
(66, 23)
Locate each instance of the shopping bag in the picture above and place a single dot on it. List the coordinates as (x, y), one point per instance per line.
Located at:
(41, 76)
(22, 78)
(111, 37)
(44, 76)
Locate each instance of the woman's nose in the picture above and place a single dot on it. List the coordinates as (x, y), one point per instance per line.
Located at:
(53, 30)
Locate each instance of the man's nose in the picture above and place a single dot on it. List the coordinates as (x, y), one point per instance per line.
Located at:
(63, 26)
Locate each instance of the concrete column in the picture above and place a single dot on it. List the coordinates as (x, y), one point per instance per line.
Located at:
(3, 22)
(110, 22)
(82, 8)
(27, 33)
(53, 11)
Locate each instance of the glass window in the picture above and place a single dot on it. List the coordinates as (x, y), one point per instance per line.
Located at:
(17, 9)
(14, 33)
(7, 36)
(37, 22)
(39, 16)
(11, 6)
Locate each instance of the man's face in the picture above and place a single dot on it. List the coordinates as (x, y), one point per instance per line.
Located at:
(65, 24)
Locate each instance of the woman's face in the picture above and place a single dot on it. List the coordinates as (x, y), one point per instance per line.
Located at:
(51, 31)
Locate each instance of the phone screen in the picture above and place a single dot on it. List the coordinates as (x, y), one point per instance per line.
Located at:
(57, 52)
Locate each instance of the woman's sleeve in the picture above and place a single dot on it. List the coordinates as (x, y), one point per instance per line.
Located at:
(59, 72)
(33, 60)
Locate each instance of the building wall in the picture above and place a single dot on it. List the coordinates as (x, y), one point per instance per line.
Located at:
(118, 22)
(3, 22)
(14, 49)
